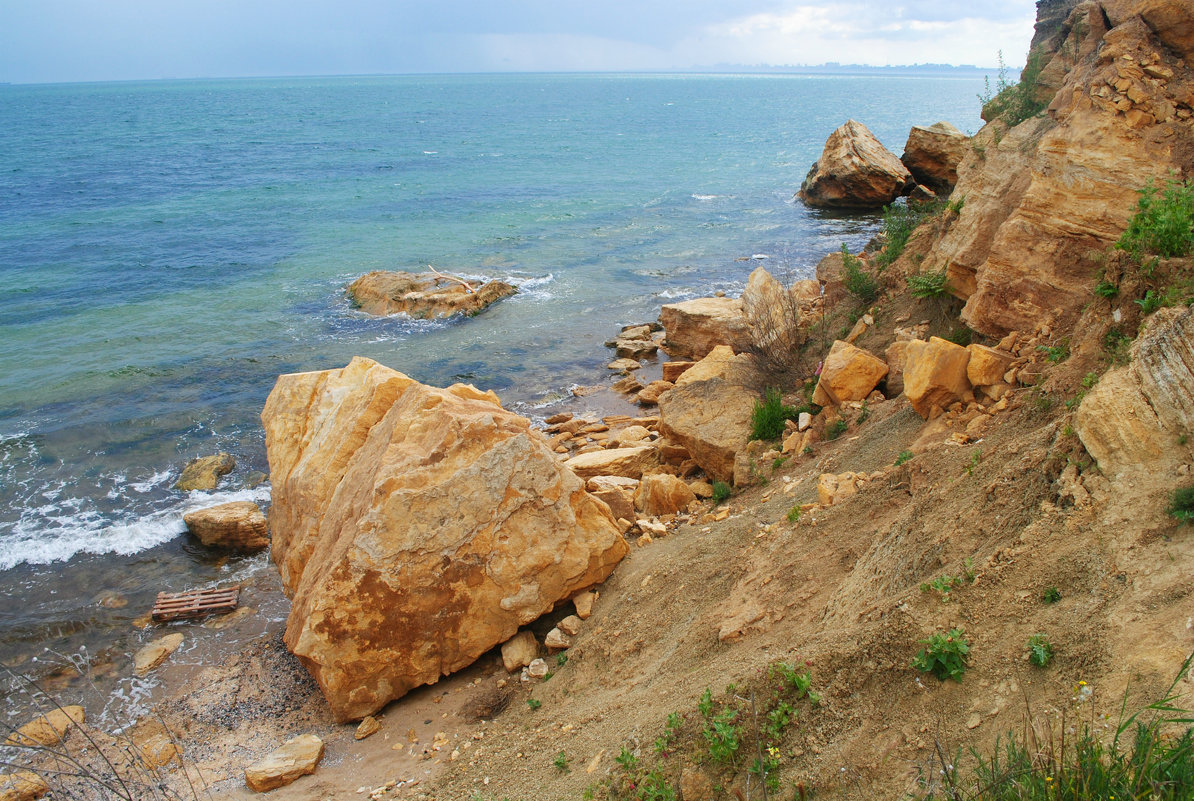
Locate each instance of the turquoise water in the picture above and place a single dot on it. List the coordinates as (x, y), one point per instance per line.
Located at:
(168, 248)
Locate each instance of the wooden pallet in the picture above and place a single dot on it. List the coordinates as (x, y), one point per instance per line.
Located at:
(195, 603)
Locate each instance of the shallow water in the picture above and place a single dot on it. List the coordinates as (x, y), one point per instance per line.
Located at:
(167, 249)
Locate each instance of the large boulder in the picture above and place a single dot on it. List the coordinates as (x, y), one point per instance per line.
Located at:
(935, 375)
(662, 494)
(1134, 417)
(239, 525)
(695, 327)
(415, 528)
(855, 171)
(710, 415)
(425, 296)
(848, 374)
(932, 155)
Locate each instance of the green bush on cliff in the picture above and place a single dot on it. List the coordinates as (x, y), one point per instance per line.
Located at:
(1014, 102)
(1163, 224)
(899, 221)
(767, 419)
(859, 282)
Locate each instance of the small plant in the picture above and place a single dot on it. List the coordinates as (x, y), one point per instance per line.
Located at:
(1117, 345)
(961, 335)
(864, 414)
(561, 762)
(654, 787)
(779, 719)
(1040, 650)
(976, 458)
(794, 514)
(705, 704)
(561, 659)
(1106, 289)
(534, 703)
(903, 458)
(671, 731)
(791, 679)
(1013, 103)
(941, 585)
(836, 429)
(767, 418)
(1181, 507)
(778, 463)
(627, 760)
(766, 768)
(1051, 595)
(1151, 301)
(1057, 353)
(928, 285)
(956, 206)
(860, 283)
(808, 450)
(945, 656)
(723, 738)
(721, 492)
(968, 571)
(1164, 222)
(1090, 379)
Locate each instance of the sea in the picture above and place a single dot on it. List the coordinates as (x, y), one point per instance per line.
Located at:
(168, 248)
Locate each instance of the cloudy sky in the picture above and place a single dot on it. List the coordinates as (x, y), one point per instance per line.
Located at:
(90, 40)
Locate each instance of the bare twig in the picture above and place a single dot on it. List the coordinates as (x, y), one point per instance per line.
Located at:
(467, 286)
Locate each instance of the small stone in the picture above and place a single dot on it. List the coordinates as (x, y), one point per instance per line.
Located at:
(49, 729)
(570, 625)
(367, 727)
(652, 528)
(557, 640)
(155, 653)
(519, 651)
(204, 473)
(537, 669)
(22, 785)
(803, 421)
(974, 721)
(297, 757)
(624, 365)
(556, 419)
(584, 604)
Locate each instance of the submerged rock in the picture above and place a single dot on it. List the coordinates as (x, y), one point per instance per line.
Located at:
(855, 171)
(416, 528)
(426, 296)
(239, 525)
(204, 473)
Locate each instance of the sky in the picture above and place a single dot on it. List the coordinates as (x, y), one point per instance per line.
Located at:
(103, 40)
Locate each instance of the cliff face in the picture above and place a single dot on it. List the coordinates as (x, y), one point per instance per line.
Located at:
(1045, 197)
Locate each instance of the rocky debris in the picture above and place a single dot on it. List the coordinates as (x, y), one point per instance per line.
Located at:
(935, 376)
(626, 462)
(848, 374)
(697, 326)
(1132, 419)
(987, 366)
(662, 494)
(624, 365)
(239, 526)
(157, 750)
(932, 155)
(367, 727)
(557, 640)
(570, 625)
(520, 650)
(709, 412)
(154, 653)
(204, 473)
(584, 604)
(297, 757)
(631, 349)
(536, 670)
(855, 171)
(22, 785)
(48, 730)
(424, 296)
(650, 394)
(415, 528)
(673, 370)
(833, 488)
(829, 278)
(1047, 198)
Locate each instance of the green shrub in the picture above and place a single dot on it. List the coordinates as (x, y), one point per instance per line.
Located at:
(1040, 650)
(945, 656)
(794, 514)
(1181, 507)
(1051, 595)
(905, 456)
(1014, 102)
(836, 429)
(1163, 225)
(860, 283)
(722, 737)
(767, 418)
(960, 335)
(1106, 289)
(721, 492)
(899, 221)
(561, 762)
(928, 285)
(1057, 353)
(1151, 301)
(534, 703)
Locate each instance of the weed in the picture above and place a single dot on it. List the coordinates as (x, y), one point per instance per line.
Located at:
(705, 704)
(975, 459)
(778, 463)
(778, 719)
(1040, 650)
(1163, 224)
(794, 514)
(1090, 379)
(721, 492)
(1051, 595)
(723, 737)
(1042, 401)
(941, 585)
(899, 221)
(859, 282)
(654, 787)
(561, 762)
(1014, 102)
(767, 418)
(671, 730)
(1057, 353)
(961, 335)
(836, 429)
(928, 285)
(1073, 403)
(1106, 289)
(1117, 345)
(627, 760)
(956, 206)
(792, 679)
(968, 571)
(561, 659)
(945, 655)
(766, 768)
(905, 456)
(808, 450)
(534, 703)
(1181, 507)
(1151, 301)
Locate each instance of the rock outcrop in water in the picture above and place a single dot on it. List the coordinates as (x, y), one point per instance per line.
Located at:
(425, 296)
(932, 155)
(416, 528)
(855, 171)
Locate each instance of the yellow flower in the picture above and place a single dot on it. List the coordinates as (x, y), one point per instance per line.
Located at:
(1081, 684)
